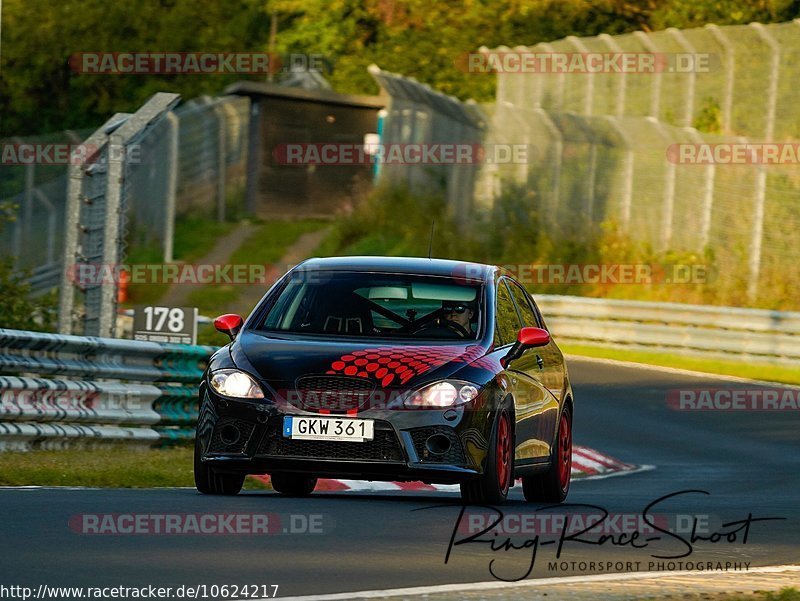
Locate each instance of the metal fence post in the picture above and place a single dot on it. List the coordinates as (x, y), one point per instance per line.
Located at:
(222, 172)
(627, 173)
(588, 100)
(761, 175)
(558, 99)
(592, 179)
(708, 193)
(525, 126)
(669, 189)
(172, 186)
(72, 214)
(111, 234)
(655, 90)
(27, 206)
(692, 75)
(115, 200)
(51, 224)
(730, 64)
(621, 76)
(253, 158)
(559, 142)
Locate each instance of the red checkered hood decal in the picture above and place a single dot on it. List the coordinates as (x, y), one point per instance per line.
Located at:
(396, 365)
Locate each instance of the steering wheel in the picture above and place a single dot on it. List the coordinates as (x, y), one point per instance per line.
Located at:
(447, 324)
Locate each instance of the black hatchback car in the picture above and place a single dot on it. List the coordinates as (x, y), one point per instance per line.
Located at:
(396, 369)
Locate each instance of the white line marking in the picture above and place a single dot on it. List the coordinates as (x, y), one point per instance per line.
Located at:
(636, 470)
(608, 462)
(496, 585)
(588, 463)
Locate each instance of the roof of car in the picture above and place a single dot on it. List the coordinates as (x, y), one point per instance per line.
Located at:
(412, 265)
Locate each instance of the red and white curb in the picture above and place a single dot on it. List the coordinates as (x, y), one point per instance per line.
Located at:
(586, 463)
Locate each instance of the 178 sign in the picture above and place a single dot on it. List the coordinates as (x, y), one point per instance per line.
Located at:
(165, 324)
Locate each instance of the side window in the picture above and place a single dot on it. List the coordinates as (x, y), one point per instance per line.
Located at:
(508, 324)
(524, 305)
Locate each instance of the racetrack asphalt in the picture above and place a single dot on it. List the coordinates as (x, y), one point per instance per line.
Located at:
(747, 461)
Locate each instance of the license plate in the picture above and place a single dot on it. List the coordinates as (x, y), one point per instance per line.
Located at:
(328, 428)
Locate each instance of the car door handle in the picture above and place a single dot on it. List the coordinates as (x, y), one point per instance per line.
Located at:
(539, 362)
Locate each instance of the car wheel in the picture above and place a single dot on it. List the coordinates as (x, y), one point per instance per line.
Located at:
(492, 487)
(553, 485)
(209, 481)
(293, 485)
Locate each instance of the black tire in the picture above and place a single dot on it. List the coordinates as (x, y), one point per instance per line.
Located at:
(293, 485)
(209, 481)
(492, 487)
(549, 487)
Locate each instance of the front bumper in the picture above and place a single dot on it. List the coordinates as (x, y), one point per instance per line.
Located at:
(247, 437)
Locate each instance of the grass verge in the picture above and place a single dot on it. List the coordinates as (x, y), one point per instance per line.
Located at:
(109, 467)
(192, 237)
(769, 373)
(784, 594)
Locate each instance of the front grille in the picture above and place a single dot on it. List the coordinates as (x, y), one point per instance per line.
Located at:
(231, 435)
(384, 447)
(336, 394)
(454, 455)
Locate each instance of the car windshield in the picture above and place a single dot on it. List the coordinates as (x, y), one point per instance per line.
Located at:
(371, 305)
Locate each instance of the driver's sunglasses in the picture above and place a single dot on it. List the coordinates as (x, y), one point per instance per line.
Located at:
(459, 309)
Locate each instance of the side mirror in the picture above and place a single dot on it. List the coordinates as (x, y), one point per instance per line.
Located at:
(531, 337)
(229, 324)
(526, 338)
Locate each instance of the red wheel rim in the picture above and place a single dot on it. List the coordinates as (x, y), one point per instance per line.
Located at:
(503, 452)
(564, 452)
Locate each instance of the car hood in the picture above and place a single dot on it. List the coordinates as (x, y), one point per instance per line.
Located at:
(280, 362)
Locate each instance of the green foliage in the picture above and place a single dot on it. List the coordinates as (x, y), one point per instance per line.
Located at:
(513, 235)
(40, 92)
(18, 310)
(709, 119)
(785, 594)
(685, 13)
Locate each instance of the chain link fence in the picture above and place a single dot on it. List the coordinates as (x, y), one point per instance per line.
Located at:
(191, 163)
(420, 116)
(617, 146)
(32, 201)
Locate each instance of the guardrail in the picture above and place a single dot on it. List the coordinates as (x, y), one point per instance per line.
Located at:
(756, 335)
(58, 391)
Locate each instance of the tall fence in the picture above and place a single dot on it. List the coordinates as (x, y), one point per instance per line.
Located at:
(99, 199)
(192, 162)
(632, 147)
(418, 115)
(32, 203)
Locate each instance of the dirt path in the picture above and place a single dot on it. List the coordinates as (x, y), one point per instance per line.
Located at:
(302, 248)
(178, 294)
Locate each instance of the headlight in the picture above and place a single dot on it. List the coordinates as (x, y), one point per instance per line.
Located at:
(235, 383)
(447, 393)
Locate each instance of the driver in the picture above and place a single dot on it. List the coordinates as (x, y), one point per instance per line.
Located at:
(460, 314)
